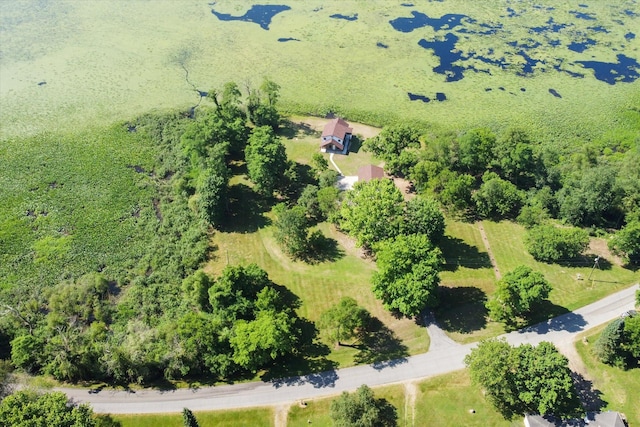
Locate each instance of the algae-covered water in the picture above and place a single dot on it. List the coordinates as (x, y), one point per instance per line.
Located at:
(564, 68)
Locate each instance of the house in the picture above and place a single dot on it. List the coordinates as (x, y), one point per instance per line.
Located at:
(369, 172)
(593, 419)
(336, 136)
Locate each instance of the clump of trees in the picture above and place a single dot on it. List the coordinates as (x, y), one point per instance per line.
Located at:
(626, 242)
(28, 408)
(524, 379)
(619, 342)
(407, 278)
(361, 408)
(517, 294)
(549, 243)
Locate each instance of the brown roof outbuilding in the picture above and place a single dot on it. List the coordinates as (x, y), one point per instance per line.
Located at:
(369, 172)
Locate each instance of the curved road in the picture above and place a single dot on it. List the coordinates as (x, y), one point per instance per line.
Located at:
(443, 356)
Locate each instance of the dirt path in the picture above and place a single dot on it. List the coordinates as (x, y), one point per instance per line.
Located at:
(410, 395)
(281, 415)
(496, 270)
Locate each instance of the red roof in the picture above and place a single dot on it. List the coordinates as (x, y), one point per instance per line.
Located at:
(369, 172)
(338, 128)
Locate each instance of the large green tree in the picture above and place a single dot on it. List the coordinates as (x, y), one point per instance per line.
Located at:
(372, 211)
(344, 320)
(407, 278)
(626, 242)
(392, 141)
(517, 293)
(497, 198)
(362, 409)
(423, 216)
(475, 150)
(524, 379)
(266, 160)
(549, 243)
(291, 230)
(26, 408)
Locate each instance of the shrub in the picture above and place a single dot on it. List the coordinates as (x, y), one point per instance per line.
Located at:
(548, 243)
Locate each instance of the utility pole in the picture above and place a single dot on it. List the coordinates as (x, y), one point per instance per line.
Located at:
(595, 264)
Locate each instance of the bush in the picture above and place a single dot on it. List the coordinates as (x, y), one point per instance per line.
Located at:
(548, 243)
(607, 346)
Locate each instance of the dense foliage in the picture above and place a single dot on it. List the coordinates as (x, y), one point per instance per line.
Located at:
(344, 320)
(626, 242)
(26, 408)
(524, 379)
(362, 409)
(407, 278)
(619, 342)
(517, 293)
(549, 243)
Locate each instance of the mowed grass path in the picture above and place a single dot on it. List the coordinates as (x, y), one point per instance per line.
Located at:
(620, 389)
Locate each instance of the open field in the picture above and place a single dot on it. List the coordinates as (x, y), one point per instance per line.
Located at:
(619, 388)
(258, 417)
(68, 63)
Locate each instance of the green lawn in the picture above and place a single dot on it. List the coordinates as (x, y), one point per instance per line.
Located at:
(317, 411)
(507, 242)
(250, 417)
(620, 389)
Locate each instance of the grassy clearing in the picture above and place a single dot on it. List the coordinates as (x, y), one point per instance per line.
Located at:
(140, 64)
(446, 400)
(250, 417)
(620, 389)
(507, 242)
(318, 411)
(467, 281)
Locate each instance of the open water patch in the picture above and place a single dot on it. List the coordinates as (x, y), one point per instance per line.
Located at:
(419, 20)
(288, 39)
(580, 47)
(260, 14)
(440, 97)
(555, 93)
(353, 17)
(446, 50)
(629, 36)
(625, 70)
(382, 45)
(583, 15)
(551, 27)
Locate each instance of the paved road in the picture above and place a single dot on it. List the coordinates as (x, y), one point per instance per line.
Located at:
(444, 356)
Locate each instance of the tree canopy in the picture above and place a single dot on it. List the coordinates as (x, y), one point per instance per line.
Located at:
(372, 211)
(626, 242)
(26, 408)
(407, 278)
(362, 409)
(549, 243)
(423, 216)
(266, 160)
(517, 293)
(524, 379)
(344, 320)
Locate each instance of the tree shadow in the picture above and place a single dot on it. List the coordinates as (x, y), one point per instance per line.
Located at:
(309, 366)
(380, 347)
(106, 420)
(589, 260)
(245, 210)
(558, 319)
(288, 299)
(457, 253)
(355, 144)
(303, 176)
(290, 130)
(462, 309)
(590, 397)
(323, 249)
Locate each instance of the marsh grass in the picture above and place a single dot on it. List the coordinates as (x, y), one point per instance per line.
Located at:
(74, 203)
(103, 61)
